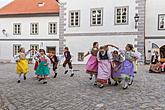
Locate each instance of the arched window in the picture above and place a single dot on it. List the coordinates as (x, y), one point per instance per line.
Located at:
(162, 51)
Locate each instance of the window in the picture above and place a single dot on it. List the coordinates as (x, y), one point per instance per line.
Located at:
(17, 29)
(16, 48)
(97, 17)
(35, 47)
(34, 28)
(52, 28)
(121, 15)
(74, 18)
(80, 56)
(161, 22)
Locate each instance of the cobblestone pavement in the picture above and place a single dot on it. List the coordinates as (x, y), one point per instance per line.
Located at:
(78, 93)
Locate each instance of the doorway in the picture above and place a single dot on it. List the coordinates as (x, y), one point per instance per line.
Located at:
(162, 51)
(50, 49)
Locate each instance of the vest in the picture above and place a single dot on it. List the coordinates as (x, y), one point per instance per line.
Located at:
(103, 57)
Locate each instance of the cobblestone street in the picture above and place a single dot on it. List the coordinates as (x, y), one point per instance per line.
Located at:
(78, 93)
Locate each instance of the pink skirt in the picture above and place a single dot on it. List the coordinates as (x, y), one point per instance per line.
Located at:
(104, 71)
(92, 65)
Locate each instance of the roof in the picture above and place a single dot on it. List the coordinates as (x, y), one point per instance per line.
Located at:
(25, 7)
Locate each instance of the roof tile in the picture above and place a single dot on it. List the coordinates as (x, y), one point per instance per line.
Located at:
(30, 7)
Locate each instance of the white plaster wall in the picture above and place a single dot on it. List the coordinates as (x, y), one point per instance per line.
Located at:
(153, 8)
(7, 24)
(108, 15)
(6, 48)
(84, 44)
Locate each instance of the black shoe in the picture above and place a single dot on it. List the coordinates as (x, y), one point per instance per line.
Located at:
(24, 77)
(72, 75)
(150, 71)
(90, 78)
(135, 72)
(66, 72)
(109, 82)
(44, 82)
(116, 84)
(130, 83)
(101, 86)
(124, 88)
(119, 81)
(18, 81)
(95, 84)
(55, 75)
(40, 79)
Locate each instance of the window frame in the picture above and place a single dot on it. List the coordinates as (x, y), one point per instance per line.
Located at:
(79, 18)
(127, 15)
(31, 48)
(159, 15)
(91, 17)
(80, 59)
(14, 53)
(14, 24)
(34, 30)
(50, 29)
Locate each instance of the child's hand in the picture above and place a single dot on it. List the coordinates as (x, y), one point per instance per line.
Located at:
(45, 64)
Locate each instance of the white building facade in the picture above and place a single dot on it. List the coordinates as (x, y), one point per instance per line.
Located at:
(107, 22)
(10, 42)
(32, 30)
(154, 28)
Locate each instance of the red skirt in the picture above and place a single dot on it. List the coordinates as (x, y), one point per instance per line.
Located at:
(36, 65)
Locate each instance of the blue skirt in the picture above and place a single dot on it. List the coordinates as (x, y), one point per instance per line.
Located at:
(42, 70)
(127, 68)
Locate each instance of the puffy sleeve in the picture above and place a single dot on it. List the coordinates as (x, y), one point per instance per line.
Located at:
(122, 51)
(121, 58)
(48, 60)
(109, 55)
(26, 53)
(137, 54)
(98, 57)
(36, 56)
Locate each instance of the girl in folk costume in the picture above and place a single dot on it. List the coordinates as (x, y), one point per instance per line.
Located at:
(43, 69)
(68, 61)
(54, 60)
(155, 65)
(117, 60)
(92, 64)
(135, 62)
(127, 68)
(104, 66)
(22, 63)
(36, 58)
